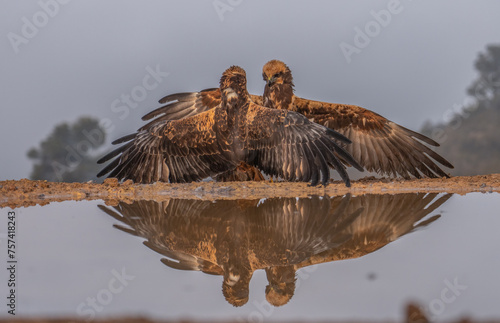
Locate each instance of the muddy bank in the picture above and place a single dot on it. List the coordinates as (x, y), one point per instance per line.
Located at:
(22, 193)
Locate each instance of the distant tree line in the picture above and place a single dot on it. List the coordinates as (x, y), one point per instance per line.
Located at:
(470, 139)
(69, 153)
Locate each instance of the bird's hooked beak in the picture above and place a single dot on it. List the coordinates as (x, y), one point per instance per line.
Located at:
(232, 279)
(230, 94)
(231, 98)
(271, 80)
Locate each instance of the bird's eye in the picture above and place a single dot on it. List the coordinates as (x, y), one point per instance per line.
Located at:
(276, 75)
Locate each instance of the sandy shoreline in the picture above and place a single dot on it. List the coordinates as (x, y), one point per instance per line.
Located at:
(23, 193)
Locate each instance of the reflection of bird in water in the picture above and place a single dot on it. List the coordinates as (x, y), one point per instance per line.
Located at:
(235, 238)
(280, 235)
(384, 219)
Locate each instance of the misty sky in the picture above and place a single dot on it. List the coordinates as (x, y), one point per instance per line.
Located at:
(83, 57)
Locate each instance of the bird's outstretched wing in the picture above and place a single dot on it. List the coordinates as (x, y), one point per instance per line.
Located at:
(378, 144)
(175, 151)
(285, 143)
(173, 228)
(392, 216)
(300, 228)
(384, 218)
(182, 105)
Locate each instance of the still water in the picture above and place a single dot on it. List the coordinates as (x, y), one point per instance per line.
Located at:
(348, 257)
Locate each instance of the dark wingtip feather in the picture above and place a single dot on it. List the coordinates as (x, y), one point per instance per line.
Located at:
(109, 168)
(210, 89)
(343, 174)
(338, 136)
(339, 167)
(124, 139)
(177, 96)
(347, 157)
(153, 114)
(112, 154)
(419, 136)
(183, 96)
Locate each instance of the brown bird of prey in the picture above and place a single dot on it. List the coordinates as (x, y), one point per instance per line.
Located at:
(378, 144)
(279, 142)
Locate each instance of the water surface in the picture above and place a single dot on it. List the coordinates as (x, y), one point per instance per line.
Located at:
(346, 257)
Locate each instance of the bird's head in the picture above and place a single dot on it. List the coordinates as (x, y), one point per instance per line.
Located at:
(234, 78)
(276, 72)
(235, 286)
(281, 284)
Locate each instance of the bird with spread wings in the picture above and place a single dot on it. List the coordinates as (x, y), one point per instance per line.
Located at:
(378, 144)
(279, 142)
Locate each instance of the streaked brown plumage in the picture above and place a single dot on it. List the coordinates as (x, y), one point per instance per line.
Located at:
(378, 144)
(234, 238)
(279, 142)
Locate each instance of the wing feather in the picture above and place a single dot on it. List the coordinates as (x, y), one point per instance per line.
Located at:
(182, 105)
(177, 151)
(280, 138)
(383, 218)
(378, 144)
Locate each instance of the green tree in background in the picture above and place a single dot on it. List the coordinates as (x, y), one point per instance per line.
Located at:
(69, 153)
(487, 85)
(471, 139)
